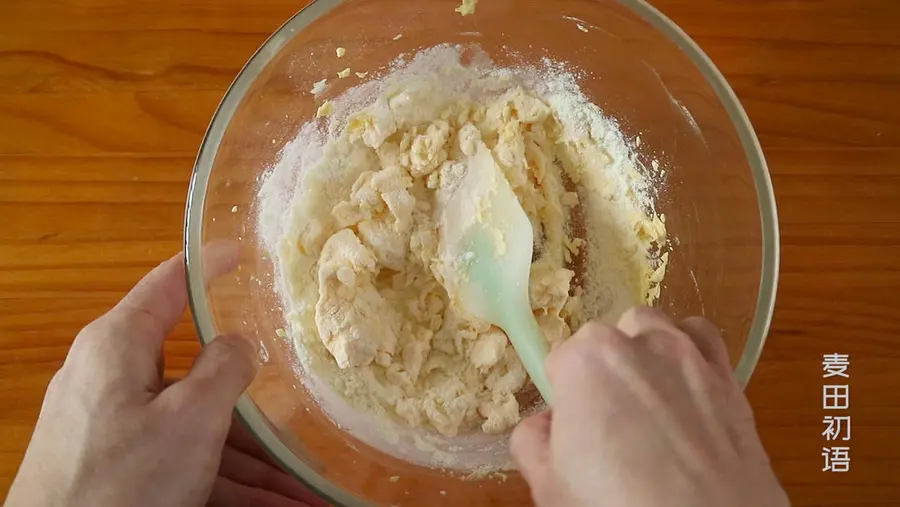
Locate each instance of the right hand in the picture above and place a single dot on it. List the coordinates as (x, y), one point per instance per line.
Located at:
(646, 414)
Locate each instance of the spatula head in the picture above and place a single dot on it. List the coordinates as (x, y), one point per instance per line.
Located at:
(487, 243)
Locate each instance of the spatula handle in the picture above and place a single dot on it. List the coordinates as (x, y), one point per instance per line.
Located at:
(532, 348)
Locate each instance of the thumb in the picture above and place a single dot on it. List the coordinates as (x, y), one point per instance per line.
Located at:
(530, 449)
(220, 374)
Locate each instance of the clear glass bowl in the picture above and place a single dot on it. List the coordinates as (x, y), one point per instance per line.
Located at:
(641, 69)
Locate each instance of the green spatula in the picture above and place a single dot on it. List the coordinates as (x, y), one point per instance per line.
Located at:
(486, 243)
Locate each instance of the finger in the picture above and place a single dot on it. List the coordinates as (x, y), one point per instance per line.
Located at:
(658, 332)
(148, 313)
(241, 439)
(154, 306)
(228, 493)
(221, 372)
(219, 257)
(587, 373)
(157, 302)
(641, 319)
(529, 446)
(244, 469)
(709, 342)
(582, 354)
(124, 346)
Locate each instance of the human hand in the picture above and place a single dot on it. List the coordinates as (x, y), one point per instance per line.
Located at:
(646, 414)
(112, 433)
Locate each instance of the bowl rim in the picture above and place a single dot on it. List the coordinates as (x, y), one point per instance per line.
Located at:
(247, 411)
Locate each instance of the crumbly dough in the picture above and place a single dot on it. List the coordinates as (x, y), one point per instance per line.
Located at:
(369, 308)
(467, 7)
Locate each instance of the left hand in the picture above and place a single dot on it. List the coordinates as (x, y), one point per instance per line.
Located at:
(111, 433)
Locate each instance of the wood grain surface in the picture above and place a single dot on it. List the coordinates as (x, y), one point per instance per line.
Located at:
(103, 104)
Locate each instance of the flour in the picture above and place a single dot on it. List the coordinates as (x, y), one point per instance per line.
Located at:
(350, 216)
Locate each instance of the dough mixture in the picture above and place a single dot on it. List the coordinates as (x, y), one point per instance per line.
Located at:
(358, 255)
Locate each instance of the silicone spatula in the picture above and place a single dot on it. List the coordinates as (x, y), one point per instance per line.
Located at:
(487, 242)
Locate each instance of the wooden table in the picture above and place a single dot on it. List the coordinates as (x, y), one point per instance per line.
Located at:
(103, 104)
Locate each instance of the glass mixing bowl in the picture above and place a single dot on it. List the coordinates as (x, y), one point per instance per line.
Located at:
(640, 69)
